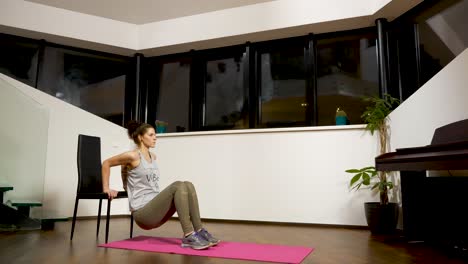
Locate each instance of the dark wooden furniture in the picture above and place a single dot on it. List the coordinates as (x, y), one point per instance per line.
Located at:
(434, 208)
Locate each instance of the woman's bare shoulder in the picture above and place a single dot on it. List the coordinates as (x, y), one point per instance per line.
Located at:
(131, 155)
(123, 158)
(134, 154)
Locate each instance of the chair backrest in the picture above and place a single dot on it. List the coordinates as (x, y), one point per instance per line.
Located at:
(89, 164)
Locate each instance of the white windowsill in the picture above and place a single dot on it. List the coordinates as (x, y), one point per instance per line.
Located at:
(261, 130)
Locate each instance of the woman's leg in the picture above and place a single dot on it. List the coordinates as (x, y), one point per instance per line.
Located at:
(195, 215)
(193, 206)
(158, 210)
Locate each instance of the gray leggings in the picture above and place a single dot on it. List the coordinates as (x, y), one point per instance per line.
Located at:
(180, 197)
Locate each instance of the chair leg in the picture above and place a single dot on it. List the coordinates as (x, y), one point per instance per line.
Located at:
(131, 225)
(98, 218)
(74, 217)
(107, 218)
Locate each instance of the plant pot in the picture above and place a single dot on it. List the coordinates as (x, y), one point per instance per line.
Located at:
(381, 219)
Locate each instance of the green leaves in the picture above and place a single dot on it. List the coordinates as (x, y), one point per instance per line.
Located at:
(377, 110)
(362, 177)
(367, 176)
(375, 117)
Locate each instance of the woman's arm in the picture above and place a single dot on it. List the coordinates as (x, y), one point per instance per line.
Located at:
(122, 159)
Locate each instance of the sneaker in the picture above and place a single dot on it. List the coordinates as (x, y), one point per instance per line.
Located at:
(195, 241)
(208, 237)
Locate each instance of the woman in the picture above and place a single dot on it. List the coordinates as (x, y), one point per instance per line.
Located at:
(151, 207)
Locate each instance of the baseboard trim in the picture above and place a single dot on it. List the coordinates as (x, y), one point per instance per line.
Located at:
(248, 222)
(103, 217)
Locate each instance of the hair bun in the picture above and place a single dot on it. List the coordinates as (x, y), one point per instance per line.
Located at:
(132, 126)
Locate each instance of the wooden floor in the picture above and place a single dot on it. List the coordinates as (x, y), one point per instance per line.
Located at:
(332, 245)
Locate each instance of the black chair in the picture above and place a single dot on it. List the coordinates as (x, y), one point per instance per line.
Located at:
(90, 180)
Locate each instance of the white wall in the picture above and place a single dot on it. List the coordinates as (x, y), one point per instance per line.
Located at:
(61, 177)
(263, 21)
(378, 4)
(284, 175)
(23, 144)
(442, 100)
(248, 19)
(60, 24)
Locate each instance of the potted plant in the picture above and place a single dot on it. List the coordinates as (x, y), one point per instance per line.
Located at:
(381, 216)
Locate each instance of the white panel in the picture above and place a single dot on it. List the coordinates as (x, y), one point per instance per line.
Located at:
(247, 20)
(23, 148)
(257, 22)
(61, 176)
(278, 176)
(59, 22)
(145, 11)
(440, 101)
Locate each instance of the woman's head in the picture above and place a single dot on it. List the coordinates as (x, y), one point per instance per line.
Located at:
(141, 133)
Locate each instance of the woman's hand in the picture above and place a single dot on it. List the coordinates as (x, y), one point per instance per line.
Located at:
(111, 194)
(124, 159)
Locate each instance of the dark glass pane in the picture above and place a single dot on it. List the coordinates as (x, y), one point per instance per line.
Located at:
(442, 37)
(283, 88)
(173, 99)
(18, 59)
(347, 71)
(225, 106)
(93, 83)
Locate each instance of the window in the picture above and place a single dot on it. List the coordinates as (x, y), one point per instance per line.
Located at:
(225, 101)
(442, 37)
(18, 59)
(173, 98)
(282, 85)
(346, 71)
(95, 83)
(271, 83)
(425, 40)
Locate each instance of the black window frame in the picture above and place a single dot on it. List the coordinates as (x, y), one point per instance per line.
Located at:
(198, 81)
(22, 41)
(352, 34)
(307, 42)
(129, 106)
(153, 71)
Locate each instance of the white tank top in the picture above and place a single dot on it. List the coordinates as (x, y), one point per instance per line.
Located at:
(142, 183)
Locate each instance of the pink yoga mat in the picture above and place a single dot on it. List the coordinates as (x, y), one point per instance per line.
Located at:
(230, 250)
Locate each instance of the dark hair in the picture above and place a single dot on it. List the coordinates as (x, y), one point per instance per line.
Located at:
(135, 128)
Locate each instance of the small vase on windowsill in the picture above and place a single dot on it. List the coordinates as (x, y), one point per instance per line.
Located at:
(161, 126)
(341, 118)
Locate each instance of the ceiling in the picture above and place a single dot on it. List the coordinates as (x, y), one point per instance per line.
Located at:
(145, 11)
